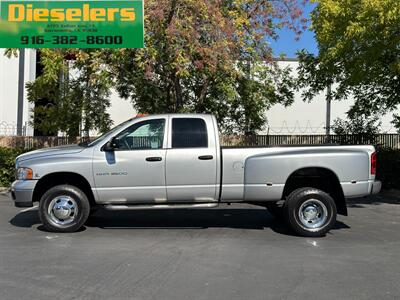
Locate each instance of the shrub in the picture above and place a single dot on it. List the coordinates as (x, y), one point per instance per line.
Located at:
(388, 168)
(7, 165)
(357, 130)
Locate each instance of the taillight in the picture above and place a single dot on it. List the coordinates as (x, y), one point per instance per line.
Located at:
(373, 163)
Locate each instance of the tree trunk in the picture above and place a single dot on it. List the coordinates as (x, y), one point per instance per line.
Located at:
(202, 95)
(178, 94)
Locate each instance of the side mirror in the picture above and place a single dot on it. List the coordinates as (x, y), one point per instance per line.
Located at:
(111, 145)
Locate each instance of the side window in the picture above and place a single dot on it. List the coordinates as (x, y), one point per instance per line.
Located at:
(189, 133)
(143, 135)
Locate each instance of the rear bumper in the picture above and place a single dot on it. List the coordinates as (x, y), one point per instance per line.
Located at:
(361, 188)
(22, 192)
(376, 187)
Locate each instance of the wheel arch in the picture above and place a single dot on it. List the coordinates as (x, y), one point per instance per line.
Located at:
(53, 179)
(317, 177)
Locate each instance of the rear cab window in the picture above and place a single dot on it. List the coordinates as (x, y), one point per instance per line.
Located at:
(189, 133)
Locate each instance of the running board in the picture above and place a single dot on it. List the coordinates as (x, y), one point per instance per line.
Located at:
(159, 206)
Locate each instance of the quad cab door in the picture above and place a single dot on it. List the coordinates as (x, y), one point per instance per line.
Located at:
(191, 163)
(134, 172)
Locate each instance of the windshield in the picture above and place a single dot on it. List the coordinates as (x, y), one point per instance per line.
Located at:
(100, 138)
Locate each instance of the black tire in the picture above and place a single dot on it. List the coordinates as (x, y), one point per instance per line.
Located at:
(319, 212)
(69, 199)
(275, 210)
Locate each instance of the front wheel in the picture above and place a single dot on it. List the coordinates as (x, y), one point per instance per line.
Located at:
(310, 212)
(64, 208)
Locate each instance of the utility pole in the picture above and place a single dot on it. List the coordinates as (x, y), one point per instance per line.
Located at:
(21, 89)
(328, 113)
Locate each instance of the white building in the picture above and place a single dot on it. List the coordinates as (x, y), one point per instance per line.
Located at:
(300, 118)
(120, 109)
(9, 76)
(310, 118)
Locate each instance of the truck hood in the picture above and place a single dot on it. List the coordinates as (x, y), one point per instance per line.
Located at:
(62, 150)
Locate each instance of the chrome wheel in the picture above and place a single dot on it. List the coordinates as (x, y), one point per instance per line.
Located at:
(62, 211)
(313, 214)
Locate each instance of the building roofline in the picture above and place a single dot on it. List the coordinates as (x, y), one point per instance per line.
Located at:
(295, 59)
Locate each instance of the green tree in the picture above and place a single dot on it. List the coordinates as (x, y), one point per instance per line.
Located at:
(75, 92)
(204, 56)
(359, 53)
(208, 56)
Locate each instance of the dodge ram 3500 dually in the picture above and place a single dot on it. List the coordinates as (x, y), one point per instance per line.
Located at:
(175, 161)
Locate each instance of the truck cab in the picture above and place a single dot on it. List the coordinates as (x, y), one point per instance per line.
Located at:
(159, 159)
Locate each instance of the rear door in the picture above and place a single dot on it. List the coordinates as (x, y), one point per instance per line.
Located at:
(191, 163)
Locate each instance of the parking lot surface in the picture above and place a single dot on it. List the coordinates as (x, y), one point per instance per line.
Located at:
(233, 252)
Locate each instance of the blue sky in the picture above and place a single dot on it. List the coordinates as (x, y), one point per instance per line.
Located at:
(289, 46)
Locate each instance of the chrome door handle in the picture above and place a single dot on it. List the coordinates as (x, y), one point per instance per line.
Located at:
(206, 157)
(153, 158)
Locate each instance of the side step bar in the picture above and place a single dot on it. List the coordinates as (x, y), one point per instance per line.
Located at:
(159, 206)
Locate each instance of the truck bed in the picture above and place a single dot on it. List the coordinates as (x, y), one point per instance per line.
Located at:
(260, 173)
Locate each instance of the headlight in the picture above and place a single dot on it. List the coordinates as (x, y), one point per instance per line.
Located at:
(24, 174)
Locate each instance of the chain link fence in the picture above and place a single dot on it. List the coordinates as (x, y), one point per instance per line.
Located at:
(37, 142)
(11, 129)
(391, 141)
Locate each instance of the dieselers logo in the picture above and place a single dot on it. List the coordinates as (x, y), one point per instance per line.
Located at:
(28, 13)
(72, 24)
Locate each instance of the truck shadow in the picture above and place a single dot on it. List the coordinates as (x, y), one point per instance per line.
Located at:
(386, 197)
(195, 219)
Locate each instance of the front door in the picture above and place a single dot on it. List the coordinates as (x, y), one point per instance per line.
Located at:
(135, 171)
(191, 168)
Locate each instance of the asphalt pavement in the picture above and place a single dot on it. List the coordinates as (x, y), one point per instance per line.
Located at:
(233, 252)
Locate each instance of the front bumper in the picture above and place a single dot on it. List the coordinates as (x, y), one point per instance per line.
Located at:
(22, 192)
(376, 187)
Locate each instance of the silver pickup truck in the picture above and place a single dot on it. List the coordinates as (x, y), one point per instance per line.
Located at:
(175, 161)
